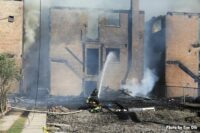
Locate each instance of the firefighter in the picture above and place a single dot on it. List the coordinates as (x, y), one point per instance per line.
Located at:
(93, 102)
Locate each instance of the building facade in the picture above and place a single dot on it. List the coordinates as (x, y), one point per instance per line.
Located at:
(11, 30)
(182, 57)
(11, 27)
(81, 40)
(176, 36)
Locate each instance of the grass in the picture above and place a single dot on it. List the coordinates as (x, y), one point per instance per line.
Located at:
(18, 125)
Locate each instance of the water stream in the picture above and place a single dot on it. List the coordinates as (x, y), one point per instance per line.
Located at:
(109, 58)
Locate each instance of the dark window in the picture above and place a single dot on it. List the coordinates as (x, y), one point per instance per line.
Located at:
(89, 87)
(11, 19)
(92, 61)
(116, 52)
(112, 19)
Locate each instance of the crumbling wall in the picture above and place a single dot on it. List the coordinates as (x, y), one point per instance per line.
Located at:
(65, 49)
(69, 51)
(68, 26)
(114, 35)
(181, 33)
(70, 44)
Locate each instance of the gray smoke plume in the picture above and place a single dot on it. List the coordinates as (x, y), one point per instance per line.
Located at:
(31, 37)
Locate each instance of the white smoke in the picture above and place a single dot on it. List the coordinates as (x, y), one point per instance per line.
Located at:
(144, 87)
(31, 22)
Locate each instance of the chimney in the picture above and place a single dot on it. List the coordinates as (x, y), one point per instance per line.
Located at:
(136, 59)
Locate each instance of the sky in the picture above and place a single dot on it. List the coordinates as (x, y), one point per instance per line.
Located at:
(161, 7)
(151, 7)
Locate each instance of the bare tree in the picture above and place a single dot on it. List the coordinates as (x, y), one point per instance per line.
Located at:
(8, 73)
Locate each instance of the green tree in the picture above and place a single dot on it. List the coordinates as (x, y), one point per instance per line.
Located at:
(8, 73)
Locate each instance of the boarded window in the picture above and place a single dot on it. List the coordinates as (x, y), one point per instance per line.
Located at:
(92, 61)
(116, 52)
(112, 19)
(93, 27)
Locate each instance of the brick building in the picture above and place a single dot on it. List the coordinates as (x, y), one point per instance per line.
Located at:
(177, 36)
(11, 21)
(11, 27)
(182, 34)
(80, 42)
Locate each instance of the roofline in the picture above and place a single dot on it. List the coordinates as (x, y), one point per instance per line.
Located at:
(94, 9)
(183, 13)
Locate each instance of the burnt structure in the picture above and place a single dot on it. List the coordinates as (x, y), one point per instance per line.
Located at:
(78, 48)
(176, 37)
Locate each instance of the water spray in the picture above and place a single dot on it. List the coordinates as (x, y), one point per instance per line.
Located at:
(110, 57)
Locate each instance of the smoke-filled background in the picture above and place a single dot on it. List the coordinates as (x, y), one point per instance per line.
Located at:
(32, 24)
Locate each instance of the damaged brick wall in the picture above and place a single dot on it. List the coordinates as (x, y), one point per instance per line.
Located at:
(68, 75)
(65, 49)
(117, 38)
(172, 37)
(70, 47)
(181, 33)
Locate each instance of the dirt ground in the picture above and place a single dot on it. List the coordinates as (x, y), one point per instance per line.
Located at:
(161, 120)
